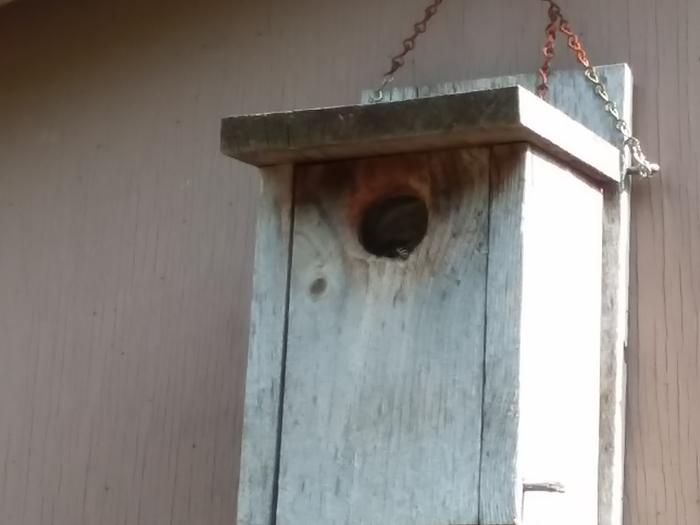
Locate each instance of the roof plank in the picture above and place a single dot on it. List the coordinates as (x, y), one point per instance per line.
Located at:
(495, 116)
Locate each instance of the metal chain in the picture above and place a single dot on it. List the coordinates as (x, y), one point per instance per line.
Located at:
(639, 165)
(548, 49)
(398, 60)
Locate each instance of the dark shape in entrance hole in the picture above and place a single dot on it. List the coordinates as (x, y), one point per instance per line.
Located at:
(394, 226)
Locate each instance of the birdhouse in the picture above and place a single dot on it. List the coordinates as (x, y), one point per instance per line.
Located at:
(426, 321)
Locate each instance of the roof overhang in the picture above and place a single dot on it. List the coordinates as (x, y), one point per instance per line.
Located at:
(479, 118)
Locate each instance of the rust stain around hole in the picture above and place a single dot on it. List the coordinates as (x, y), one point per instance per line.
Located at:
(427, 183)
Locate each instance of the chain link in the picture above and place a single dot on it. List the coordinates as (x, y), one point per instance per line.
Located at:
(548, 50)
(639, 163)
(409, 44)
(557, 23)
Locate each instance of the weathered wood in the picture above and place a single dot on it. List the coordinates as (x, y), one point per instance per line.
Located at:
(542, 358)
(614, 323)
(263, 388)
(504, 466)
(495, 116)
(511, 462)
(571, 92)
(382, 410)
(501, 480)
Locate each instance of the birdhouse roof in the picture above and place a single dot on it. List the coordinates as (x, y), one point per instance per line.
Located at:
(496, 116)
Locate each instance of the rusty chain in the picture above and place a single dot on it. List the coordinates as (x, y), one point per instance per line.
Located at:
(639, 163)
(557, 23)
(409, 44)
(548, 50)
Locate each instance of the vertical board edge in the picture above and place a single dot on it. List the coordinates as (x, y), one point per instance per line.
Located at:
(256, 492)
(500, 495)
(614, 328)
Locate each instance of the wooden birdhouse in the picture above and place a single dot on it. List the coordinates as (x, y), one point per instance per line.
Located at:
(426, 334)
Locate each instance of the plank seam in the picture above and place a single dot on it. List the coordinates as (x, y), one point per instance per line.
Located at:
(283, 365)
(486, 320)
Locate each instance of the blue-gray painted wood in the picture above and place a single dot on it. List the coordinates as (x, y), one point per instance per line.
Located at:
(317, 483)
(571, 92)
(476, 118)
(382, 409)
(257, 485)
(541, 394)
(501, 484)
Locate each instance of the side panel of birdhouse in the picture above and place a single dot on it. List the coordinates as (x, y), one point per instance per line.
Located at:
(256, 492)
(385, 356)
(541, 406)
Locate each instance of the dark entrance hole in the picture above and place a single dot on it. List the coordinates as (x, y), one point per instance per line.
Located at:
(392, 227)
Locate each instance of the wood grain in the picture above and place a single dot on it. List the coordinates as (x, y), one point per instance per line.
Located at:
(501, 477)
(93, 191)
(542, 360)
(382, 410)
(571, 93)
(472, 118)
(257, 498)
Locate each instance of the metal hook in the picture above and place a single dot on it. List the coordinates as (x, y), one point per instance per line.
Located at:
(378, 94)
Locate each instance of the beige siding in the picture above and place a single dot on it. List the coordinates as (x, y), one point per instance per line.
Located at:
(126, 239)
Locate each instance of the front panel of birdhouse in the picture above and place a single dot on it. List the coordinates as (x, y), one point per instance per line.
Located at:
(425, 347)
(385, 347)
